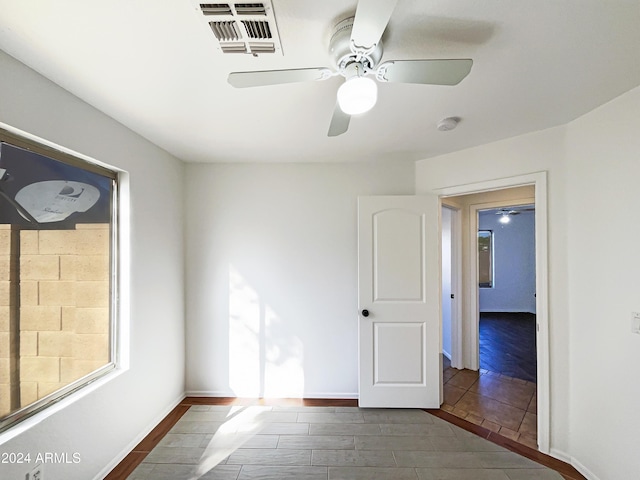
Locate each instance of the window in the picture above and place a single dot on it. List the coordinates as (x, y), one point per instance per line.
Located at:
(57, 275)
(485, 259)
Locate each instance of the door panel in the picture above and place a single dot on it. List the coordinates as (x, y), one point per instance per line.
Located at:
(398, 353)
(399, 285)
(397, 267)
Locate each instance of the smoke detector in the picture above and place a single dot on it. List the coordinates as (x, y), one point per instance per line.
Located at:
(448, 124)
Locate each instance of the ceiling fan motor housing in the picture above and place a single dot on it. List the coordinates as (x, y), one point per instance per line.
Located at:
(342, 51)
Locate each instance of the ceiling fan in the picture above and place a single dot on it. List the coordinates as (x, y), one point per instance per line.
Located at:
(513, 211)
(356, 47)
(505, 213)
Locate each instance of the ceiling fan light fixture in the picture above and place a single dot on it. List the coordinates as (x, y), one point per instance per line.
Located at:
(357, 95)
(504, 218)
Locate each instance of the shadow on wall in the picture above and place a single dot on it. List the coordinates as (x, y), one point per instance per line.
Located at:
(265, 360)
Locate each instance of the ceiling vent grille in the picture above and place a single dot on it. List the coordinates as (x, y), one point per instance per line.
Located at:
(255, 29)
(225, 31)
(250, 8)
(263, 47)
(234, 47)
(242, 27)
(215, 8)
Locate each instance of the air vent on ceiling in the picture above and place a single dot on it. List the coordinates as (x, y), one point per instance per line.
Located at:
(243, 27)
(262, 47)
(215, 8)
(225, 31)
(257, 29)
(250, 8)
(234, 47)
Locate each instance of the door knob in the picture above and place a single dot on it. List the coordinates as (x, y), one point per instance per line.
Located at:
(365, 313)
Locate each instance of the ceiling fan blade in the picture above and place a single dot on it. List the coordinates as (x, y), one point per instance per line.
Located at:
(339, 122)
(372, 17)
(430, 72)
(275, 77)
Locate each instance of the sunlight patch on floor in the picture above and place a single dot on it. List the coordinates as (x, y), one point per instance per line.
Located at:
(243, 423)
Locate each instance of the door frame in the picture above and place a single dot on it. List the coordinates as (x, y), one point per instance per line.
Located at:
(539, 181)
(457, 358)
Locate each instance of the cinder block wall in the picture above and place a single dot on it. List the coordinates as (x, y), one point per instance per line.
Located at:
(64, 307)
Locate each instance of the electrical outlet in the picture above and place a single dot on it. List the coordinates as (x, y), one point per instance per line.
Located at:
(36, 473)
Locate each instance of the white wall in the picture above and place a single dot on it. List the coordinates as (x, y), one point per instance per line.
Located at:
(272, 280)
(604, 261)
(514, 282)
(535, 152)
(104, 424)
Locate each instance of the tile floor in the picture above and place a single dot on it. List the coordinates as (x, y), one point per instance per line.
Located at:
(255, 442)
(500, 403)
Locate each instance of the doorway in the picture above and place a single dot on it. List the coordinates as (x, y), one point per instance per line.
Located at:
(470, 200)
(506, 291)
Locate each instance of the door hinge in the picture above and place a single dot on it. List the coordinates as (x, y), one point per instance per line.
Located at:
(452, 296)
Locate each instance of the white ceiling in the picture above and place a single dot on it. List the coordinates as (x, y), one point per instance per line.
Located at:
(154, 67)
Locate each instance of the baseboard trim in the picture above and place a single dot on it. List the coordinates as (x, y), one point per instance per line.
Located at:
(583, 470)
(141, 436)
(560, 455)
(226, 394)
(565, 457)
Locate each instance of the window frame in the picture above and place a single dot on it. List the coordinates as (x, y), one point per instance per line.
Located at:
(42, 147)
(492, 279)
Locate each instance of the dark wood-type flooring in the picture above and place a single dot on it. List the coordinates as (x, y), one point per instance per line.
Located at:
(508, 344)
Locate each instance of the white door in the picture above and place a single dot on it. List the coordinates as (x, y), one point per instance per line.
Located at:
(399, 301)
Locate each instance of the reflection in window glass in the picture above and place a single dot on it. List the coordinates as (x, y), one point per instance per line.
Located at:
(485, 259)
(57, 224)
